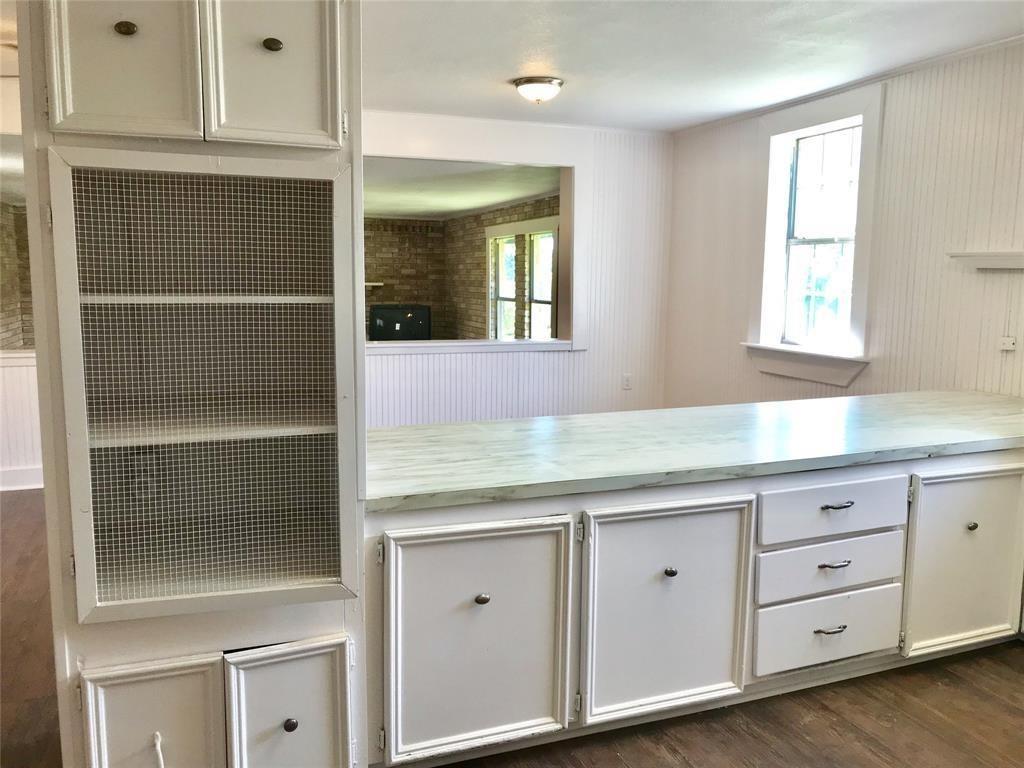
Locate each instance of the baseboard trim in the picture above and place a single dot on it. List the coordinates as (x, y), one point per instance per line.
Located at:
(21, 478)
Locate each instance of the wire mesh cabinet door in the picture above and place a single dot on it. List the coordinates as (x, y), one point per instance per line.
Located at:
(207, 319)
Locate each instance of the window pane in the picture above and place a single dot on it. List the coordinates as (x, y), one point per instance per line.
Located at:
(506, 320)
(819, 287)
(825, 201)
(543, 248)
(507, 267)
(540, 321)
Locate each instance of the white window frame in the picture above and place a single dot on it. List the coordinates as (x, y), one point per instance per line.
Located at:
(778, 133)
(527, 227)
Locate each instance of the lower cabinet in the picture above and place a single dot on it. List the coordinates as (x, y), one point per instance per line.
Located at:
(286, 706)
(965, 559)
(664, 601)
(167, 713)
(477, 630)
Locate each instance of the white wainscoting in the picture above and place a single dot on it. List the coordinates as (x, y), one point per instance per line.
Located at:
(21, 458)
(950, 178)
(625, 298)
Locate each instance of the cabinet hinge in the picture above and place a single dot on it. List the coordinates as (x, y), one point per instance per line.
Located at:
(580, 531)
(577, 703)
(910, 495)
(903, 640)
(71, 566)
(382, 738)
(81, 699)
(344, 123)
(380, 551)
(49, 217)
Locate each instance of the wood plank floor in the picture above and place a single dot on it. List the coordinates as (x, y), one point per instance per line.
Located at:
(960, 712)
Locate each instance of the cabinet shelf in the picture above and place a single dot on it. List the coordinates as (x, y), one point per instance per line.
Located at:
(161, 431)
(196, 298)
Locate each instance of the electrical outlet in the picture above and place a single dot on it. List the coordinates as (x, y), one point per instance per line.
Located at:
(627, 381)
(1008, 343)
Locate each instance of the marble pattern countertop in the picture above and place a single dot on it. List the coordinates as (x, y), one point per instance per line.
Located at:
(420, 467)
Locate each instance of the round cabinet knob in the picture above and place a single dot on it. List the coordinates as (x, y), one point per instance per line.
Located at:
(272, 44)
(671, 572)
(482, 599)
(291, 724)
(127, 28)
(972, 526)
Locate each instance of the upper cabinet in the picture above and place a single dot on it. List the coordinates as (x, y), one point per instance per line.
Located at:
(264, 71)
(272, 71)
(125, 68)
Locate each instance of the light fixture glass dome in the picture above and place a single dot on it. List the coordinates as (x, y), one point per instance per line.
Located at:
(538, 89)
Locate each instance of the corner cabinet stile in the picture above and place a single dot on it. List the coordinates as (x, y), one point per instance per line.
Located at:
(965, 558)
(477, 644)
(206, 360)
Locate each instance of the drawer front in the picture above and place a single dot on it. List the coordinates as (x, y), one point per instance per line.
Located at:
(663, 627)
(288, 705)
(167, 713)
(478, 635)
(827, 628)
(834, 509)
(802, 571)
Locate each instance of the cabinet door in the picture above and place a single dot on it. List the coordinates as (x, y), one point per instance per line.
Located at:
(273, 71)
(288, 705)
(477, 635)
(965, 559)
(125, 67)
(168, 713)
(665, 601)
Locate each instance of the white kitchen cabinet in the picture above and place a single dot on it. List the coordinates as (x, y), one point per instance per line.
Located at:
(125, 67)
(272, 71)
(664, 605)
(965, 558)
(477, 634)
(167, 713)
(288, 705)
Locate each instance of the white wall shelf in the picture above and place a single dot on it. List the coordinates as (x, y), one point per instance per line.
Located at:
(983, 260)
(164, 432)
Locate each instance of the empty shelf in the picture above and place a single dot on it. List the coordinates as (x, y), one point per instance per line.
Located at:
(156, 431)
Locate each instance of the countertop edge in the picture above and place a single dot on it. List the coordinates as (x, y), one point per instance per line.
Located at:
(460, 497)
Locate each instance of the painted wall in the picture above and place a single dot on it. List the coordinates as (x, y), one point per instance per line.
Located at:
(951, 177)
(21, 460)
(627, 195)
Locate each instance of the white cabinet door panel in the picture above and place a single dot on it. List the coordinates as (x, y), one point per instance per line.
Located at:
(168, 713)
(827, 629)
(146, 83)
(288, 705)
(832, 509)
(965, 560)
(478, 634)
(802, 571)
(664, 605)
(273, 71)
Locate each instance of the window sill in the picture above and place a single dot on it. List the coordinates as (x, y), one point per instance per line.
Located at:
(455, 347)
(795, 363)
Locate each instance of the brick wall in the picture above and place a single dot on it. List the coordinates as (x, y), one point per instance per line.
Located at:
(16, 330)
(408, 256)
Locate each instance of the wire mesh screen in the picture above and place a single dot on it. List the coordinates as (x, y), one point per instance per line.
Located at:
(141, 232)
(207, 323)
(196, 518)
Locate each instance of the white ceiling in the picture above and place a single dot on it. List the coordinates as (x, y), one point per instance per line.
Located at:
(642, 64)
(441, 189)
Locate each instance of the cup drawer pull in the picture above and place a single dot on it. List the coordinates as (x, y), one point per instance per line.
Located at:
(835, 566)
(840, 505)
(832, 630)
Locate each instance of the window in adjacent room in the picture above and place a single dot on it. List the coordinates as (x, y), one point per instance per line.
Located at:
(503, 288)
(542, 281)
(523, 279)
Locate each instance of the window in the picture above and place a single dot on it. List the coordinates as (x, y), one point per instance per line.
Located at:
(523, 280)
(820, 160)
(503, 288)
(542, 280)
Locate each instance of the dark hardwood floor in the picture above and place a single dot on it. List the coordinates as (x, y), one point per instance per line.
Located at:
(959, 712)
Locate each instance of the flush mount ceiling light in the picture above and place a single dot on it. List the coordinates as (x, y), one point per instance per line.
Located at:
(538, 89)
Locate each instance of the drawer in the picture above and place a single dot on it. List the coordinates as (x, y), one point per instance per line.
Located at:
(167, 713)
(478, 634)
(827, 628)
(833, 509)
(288, 705)
(803, 571)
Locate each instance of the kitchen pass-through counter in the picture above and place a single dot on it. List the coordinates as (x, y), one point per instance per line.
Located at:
(419, 467)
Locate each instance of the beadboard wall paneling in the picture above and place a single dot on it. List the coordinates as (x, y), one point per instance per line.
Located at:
(21, 462)
(626, 293)
(951, 177)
